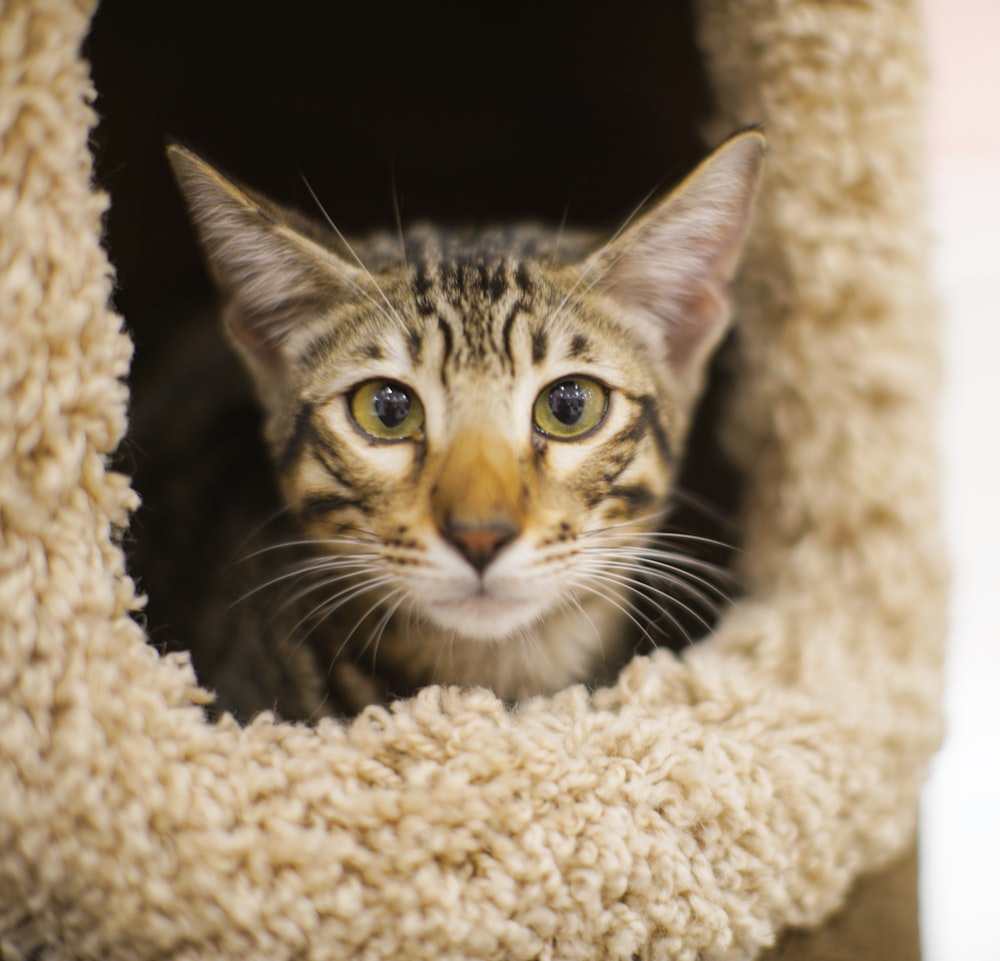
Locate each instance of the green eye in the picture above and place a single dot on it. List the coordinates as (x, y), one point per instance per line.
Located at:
(387, 410)
(570, 408)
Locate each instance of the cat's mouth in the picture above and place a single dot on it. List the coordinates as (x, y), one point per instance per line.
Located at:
(487, 606)
(483, 616)
(492, 604)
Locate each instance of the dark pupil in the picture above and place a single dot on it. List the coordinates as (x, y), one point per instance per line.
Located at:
(392, 404)
(567, 401)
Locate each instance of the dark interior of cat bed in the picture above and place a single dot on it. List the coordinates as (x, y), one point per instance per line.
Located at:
(699, 806)
(390, 115)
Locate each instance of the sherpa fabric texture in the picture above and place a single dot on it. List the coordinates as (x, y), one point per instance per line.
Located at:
(691, 811)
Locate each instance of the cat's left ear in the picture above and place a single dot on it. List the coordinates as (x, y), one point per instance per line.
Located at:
(274, 277)
(672, 268)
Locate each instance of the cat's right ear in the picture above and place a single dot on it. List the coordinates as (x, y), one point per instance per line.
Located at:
(672, 268)
(272, 277)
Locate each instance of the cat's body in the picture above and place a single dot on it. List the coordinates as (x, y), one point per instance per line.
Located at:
(475, 433)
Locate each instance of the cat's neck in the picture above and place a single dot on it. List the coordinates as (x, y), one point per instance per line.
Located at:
(575, 643)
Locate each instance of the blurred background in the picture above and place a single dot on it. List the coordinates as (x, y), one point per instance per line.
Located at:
(960, 871)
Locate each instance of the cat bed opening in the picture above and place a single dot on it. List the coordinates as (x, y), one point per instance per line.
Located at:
(695, 808)
(504, 145)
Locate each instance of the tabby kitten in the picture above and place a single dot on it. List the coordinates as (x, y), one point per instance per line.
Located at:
(475, 431)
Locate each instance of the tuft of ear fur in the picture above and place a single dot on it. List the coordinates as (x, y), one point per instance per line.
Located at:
(673, 266)
(271, 275)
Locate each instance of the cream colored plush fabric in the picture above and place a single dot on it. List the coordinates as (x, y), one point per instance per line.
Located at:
(692, 811)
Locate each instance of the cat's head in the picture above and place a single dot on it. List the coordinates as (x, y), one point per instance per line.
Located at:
(468, 419)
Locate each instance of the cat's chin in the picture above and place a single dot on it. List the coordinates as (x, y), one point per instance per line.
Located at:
(482, 618)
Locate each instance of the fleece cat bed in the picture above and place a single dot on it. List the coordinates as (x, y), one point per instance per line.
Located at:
(698, 807)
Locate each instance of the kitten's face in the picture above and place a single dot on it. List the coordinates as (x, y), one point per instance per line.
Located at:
(472, 431)
(471, 427)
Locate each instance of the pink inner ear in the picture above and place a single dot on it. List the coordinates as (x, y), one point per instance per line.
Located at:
(682, 295)
(673, 267)
(693, 335)
(253, 338)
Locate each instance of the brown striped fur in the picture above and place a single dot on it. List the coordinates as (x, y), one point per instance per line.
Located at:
(480, 550)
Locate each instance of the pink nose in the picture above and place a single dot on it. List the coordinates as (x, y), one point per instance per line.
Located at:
(479, 543)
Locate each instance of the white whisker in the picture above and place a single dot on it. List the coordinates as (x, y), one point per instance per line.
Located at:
(671, 576)
(399, 219)
(322, 584)
(572, 601)
(584, 274)
(674, 536)
(392, 312)
(310, 565)
(703, 506)
(326, 608)
(383, 623)
(343, 644)
(256, 531)
(678, 566)
(585, 584)
(635, 584)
